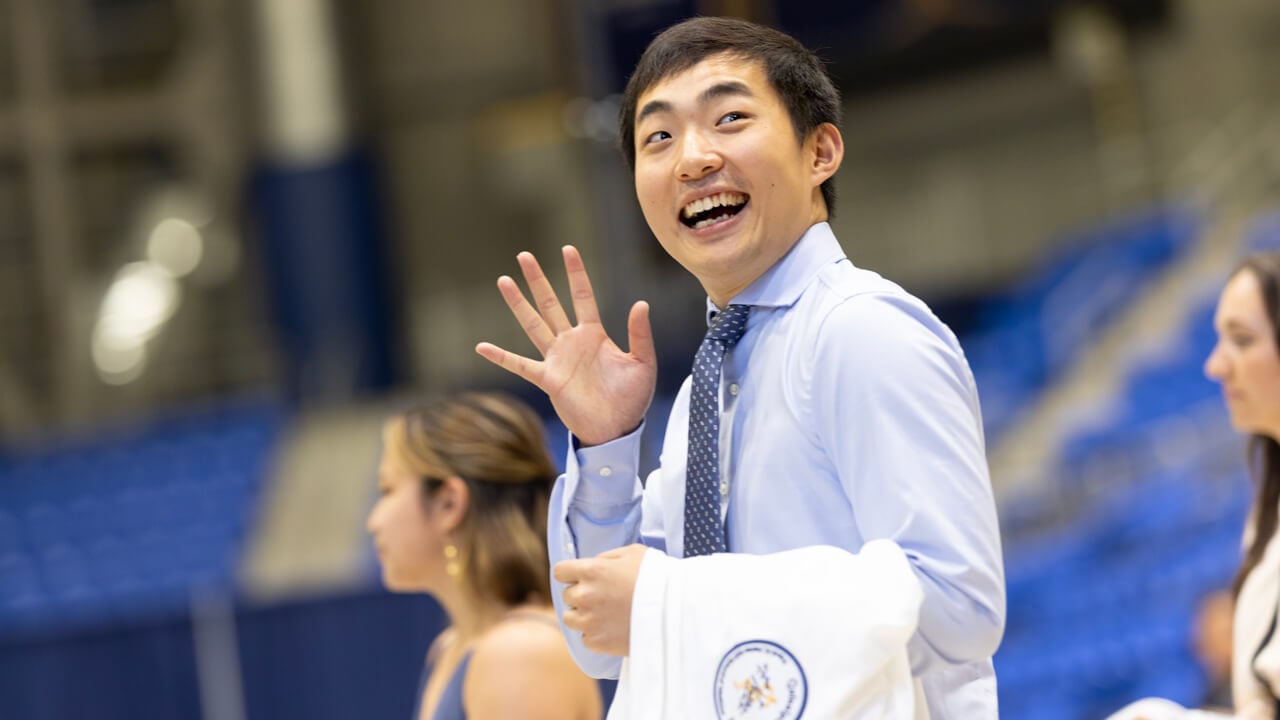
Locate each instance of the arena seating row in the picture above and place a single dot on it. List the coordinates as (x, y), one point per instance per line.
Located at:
(130, 522)
(1102, 608)
(1022, 338)
(1264, 232)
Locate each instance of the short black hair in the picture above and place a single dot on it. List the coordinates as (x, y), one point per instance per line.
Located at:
(795, 72)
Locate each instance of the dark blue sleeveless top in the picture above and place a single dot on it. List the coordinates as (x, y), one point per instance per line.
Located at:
(450, 705)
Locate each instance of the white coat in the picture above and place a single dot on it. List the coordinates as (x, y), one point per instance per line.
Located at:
(816, 631)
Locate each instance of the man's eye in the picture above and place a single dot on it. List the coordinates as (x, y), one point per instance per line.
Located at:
(658, 136)
(730, 117)
(1242, 341)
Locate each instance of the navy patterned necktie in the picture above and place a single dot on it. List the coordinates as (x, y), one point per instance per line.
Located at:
(703, 530)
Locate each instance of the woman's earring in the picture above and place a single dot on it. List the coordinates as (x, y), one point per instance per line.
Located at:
(451, 565)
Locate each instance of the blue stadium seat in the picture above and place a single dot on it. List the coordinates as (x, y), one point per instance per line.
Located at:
(1026, 336)
(1264, 233)
(132, 521)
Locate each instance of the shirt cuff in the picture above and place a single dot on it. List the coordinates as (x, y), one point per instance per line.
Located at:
(608, 473)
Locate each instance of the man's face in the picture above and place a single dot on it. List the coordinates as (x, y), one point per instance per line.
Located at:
(722, 180)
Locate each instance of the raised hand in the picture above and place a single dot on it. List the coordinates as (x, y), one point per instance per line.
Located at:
(599, 391)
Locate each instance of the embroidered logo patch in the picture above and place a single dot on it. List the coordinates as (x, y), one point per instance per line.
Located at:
(760, 679)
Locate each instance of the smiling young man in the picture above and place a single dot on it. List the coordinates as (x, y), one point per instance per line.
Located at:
(827, 406)
(723, 185)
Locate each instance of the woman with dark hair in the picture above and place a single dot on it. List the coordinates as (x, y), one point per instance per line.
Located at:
(462, 515)
(1246, 363)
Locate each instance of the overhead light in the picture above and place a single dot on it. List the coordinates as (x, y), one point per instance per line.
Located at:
(176, 245)
(141, 299)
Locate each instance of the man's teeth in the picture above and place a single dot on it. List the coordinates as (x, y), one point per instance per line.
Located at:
(713, 201)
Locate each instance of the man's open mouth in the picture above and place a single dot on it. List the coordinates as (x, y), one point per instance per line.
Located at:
(712, 209)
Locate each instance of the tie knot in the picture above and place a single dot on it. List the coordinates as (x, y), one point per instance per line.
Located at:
(728, 325)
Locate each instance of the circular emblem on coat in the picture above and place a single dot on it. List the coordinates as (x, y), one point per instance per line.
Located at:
(759, 679)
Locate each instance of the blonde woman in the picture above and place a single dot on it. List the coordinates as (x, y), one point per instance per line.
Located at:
(462, 516)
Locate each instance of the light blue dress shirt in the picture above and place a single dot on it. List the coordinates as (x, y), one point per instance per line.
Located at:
(848, 414)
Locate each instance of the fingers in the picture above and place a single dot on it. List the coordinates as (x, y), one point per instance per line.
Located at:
(584, 300)
(573, 596)
(576, 615)
(548, 319)
(640, 335)
(580, 622)
(509, 361)
(569, 571)
(574, 619)
(530, 320)
(543, 294)
(588, 609)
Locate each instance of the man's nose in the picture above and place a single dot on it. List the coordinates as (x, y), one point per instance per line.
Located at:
(698, 158)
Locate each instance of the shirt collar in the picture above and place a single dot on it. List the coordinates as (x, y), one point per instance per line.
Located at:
(782, 284)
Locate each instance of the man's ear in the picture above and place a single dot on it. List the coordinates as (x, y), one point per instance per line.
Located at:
(828, 152)
(450, 503)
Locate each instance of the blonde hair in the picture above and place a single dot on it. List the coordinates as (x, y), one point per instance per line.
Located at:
(495, 444)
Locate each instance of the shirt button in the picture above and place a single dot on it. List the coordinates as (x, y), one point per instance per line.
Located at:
(724, 488)
(733, 389)
(606, 471)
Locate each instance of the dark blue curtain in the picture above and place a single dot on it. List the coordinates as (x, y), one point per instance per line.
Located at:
(336, 658)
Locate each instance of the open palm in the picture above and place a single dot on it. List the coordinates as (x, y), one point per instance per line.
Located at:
(599, 391)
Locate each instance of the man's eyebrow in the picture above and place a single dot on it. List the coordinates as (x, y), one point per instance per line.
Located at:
(725, 89)
(652, 107)
(719, 90)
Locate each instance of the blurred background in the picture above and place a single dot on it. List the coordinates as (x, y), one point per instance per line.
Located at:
(236, 234)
